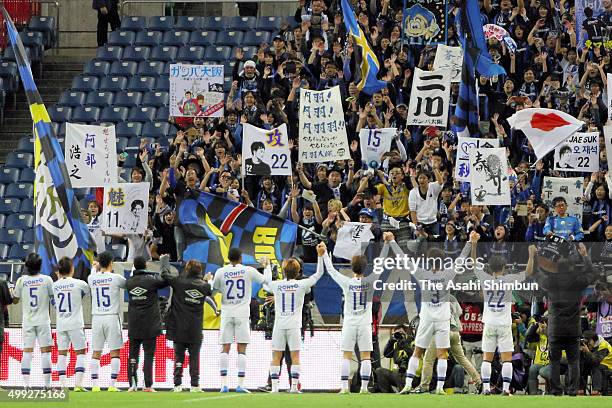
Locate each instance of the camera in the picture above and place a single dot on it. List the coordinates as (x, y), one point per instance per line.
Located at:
(399, 335)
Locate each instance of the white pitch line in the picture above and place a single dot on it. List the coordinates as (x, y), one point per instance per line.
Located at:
(215, 397)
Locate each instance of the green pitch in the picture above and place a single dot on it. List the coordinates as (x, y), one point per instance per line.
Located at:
(309, 400)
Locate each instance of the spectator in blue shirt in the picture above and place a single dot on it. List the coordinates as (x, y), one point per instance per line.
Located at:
(563, 225)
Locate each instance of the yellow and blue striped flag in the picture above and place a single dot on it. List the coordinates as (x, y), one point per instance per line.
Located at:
(59, 229)
(366, 63)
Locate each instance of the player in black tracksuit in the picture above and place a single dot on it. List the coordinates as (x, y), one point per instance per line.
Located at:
(144, 320)
(184, 321)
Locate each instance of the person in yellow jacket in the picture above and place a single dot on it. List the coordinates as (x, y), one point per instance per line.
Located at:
(537, 338)
(597, 357)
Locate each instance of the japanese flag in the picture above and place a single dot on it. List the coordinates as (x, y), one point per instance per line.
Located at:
(545, 128)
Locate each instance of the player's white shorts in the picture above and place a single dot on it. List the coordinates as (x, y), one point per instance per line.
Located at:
(286, 337)
(235, 328)
(106, 328)
(76, 337)
(357, 335)
(41, 333)
(497, 337)
(439, 330)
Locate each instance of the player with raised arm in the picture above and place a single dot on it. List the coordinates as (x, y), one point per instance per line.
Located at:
(496, 316)
(235, 283)
(357, 324)
(68, 293)
(435, 315)
(36, 292)
(106, 318)
(288, 303)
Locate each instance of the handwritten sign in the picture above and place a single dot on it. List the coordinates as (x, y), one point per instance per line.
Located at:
(196, 90)
(126, 208)
(570, 188)
(464, 145)
(266, 152)
(322, 134)
(429, 99)
(580, 152)
(489, 182)
(449, 58)
(90, 152)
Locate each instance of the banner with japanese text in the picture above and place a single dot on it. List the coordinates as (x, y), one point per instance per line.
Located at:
(430, 98)
(322, 135)
(579, 152)
(464, 145)
(449, 58)
(91, 157)
(126, 208)
(570, 188)
(196, 90)
(265, 152)
(489, 183)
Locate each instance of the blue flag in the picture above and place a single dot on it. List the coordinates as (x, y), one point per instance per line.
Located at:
(212, 225)
(366, 63)
(476, 58)
(59, 228)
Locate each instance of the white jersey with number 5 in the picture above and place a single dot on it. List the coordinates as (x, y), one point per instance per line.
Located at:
(235, 283)
(289, 298)
(68, 293)
(357, 296)
(35, 293)
(106, 292)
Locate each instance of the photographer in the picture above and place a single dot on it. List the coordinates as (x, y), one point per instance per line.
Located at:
(537, 337)
(596, 356)
(398, 348)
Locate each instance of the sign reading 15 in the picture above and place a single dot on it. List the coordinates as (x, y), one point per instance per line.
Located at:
(374, 138)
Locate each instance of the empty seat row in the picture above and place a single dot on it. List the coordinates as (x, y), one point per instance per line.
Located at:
(15, 205)
(100, 68)
(17, 175)
(167, 53)
(156, 129)
(179, 38)
(194, 23)
(101, 99)
(12, 236)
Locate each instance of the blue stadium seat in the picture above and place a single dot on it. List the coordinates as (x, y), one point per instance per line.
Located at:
(10, 75)
(162, 83)
(191, 53)
(97, 68)
(113, 83)
(161, 23)
(99, 99)
(2, 220)
(29, 235)
(128, 99)
(45, 25)
(85, 83)
(134, 144)
(175, 38)
(9, 175)
(124, 68)
(19, 252)
(119, 252)
(19, 160)
(136, 53)
(25, 145)
(242, 23)
(60, 130)
(156, 99)
(156, 130)
(163, 53)
(2, 189)
(203, 38)
(128, 129)
(215, 23)
(141, 114)
(19, 190)
(27, 175)
(148, 38)
(27, 206)
(134, 23)
(218, 53)
(114, 114)
(121, 143)
(121, 38)
(150, 68)
(60, 114)
(9, 55)
(249, 52)
(35, 41)
(188, 23)
(229, 38)
(141, 84)
(256, 38)
(85, 114)
(10, 236)
(9, 205)
(269, 23)
(163, 113)
(72, 99)
(130, 161)
(21, 221)
(109, 53)
(228, 66)
(4, 250)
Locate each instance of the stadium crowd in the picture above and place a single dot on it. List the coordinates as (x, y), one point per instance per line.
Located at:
(416, 182)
